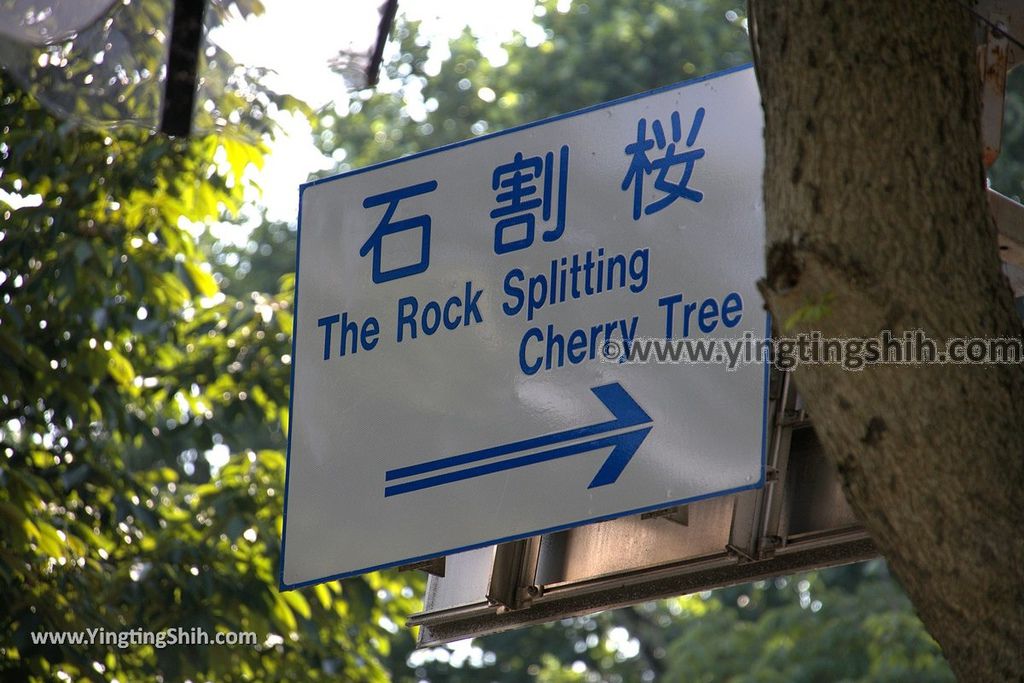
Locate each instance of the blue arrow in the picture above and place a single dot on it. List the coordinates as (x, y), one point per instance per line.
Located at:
(626, 411)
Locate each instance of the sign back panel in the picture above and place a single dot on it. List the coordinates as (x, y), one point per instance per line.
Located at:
(462, 316)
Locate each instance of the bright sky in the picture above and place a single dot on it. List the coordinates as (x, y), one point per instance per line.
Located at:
(296, 38)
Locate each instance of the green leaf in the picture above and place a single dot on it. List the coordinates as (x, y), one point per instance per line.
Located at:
(120, 368)
(298, 602)
(323, 594)
(202, 280)
(283, 613)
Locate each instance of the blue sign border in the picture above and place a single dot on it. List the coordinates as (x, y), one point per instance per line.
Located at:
(550, 530)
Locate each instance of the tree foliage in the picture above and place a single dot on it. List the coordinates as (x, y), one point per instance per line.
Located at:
(124, 364)
(848, 623)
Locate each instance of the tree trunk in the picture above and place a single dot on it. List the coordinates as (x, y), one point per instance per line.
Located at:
(877, 220)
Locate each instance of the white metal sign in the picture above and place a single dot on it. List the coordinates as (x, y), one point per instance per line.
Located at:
(456, 309)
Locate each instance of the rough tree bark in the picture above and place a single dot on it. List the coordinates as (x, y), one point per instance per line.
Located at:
(876, 215)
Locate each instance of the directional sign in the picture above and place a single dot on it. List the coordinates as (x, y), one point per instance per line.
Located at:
(627, 414)
(468, 319)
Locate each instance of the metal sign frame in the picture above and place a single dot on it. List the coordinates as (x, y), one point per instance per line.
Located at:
(799, 521)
